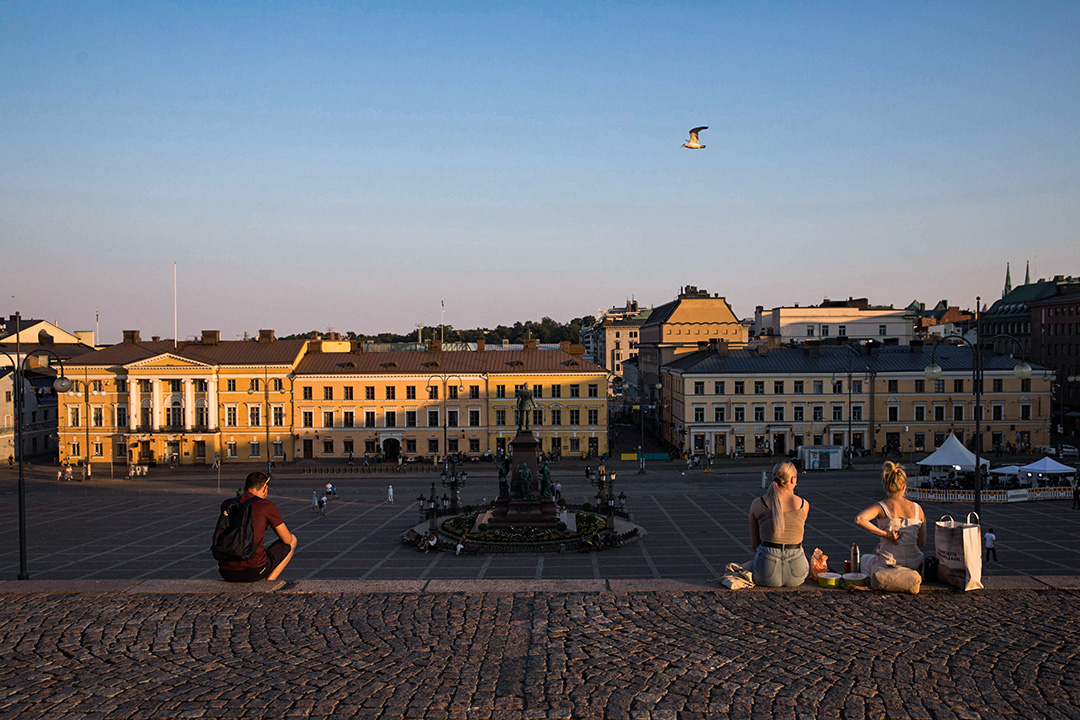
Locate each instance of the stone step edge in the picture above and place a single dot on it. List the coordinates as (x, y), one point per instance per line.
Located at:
(309, 587)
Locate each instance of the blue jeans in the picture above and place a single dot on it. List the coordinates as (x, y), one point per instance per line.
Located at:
(773, 567)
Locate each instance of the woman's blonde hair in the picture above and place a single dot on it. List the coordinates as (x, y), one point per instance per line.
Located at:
(782, 473)
(893, 477)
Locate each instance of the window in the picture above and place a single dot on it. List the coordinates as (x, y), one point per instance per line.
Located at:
(538, 418)
(308, 418)
(739, 388)
(346, 447)
(920, 413)
(452, 445)
(369, 446)
(594, 416)
(369, 418)
(538, 391)
(594, 390)
(838, 387)
(798, 387)
(279, 386)
(798, 413)
(824, 331)
(230, 449)
(997, 412)
(575, 417)
(328, 393)
(451, 418)
(939, 439)
(328, 418)
(174, 385)
(433, 418)
(328, 447)
(410, 418)
(556, 416)
(391, 418)
(718, 387)
(474, 418)
(958, 413)
(348, 390)
(740, 413)
(348, 418)
(699, 413)
(759, 387)
(837, 412)
(759, 413)
(474, 445)
(556, 391)
(144, 386)
(920, 386)
(894, 386)
(279, 416)
(939, 413)
(230, 416)
(230, 385)
(410, 392)
(809, 331)
(856, 413)
(778, 387)
(1025, 386)
(819, 387)
(73, 416)
(451, 392)
(254, 448)
(920, 441)
(500, 391)
(307, 392)
(474, 392)
(433, 446)
(719, 413)
(958, 386)
(122, 416)
(818, 413)
(500, 416)
(410, 446)
(254, 416)
(121, 387)
(699, 388)
(99, 416)
(778, 413)
(391, 392)
(939, 386)
(841, 330)
(881, 329)
(998, 385)
(575, 391)
(369, 392)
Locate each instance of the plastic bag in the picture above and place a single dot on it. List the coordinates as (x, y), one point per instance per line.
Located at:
(819, 563)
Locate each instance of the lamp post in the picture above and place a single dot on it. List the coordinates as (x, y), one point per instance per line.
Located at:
(84, 393)
(445, 386)
(454, 480)
(61, 384)
(266, 417)
(433, 511)
(641, 447)
(933, 372)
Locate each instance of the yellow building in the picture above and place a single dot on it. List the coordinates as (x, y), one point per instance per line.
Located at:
(769, 399)
(192, 402)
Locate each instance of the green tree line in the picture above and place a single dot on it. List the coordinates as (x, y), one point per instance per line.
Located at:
(545, 331)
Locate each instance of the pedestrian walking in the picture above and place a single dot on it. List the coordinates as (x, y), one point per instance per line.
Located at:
(558, 490)
(314, 501)
(322, 505)
(1076, 496)
(390, 494)
(991, 544)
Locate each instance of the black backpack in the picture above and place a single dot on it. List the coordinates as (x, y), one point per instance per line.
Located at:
(234, 536)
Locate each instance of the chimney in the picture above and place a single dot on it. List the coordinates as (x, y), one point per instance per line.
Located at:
(266, 336)
(916, 347)
(314, 347)
(481, 346)
(813, 348)
(356, 346)
(211, 337)
(435, 345)
(762, 349)
(155, 338)
(703, 344)
(565, 346)
(578, 350)
(131, 336)
(531, 343)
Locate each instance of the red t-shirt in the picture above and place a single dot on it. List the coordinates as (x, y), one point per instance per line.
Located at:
(264, 514)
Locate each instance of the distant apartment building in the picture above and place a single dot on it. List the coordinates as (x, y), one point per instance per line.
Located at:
(322, 399)
(774, 399)
(853, 319)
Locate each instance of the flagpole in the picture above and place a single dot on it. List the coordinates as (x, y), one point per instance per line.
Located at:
(174, 305)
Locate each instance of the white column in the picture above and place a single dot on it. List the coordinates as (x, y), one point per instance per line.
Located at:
(133, 404)
(212, 402)
(189, 403)
(155, 405)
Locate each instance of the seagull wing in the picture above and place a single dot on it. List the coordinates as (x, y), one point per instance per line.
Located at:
(694, 133)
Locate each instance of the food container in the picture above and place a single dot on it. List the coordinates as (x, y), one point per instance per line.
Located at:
(856, 579)
(829, 580)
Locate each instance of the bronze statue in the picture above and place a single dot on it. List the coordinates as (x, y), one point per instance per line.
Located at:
(525, 405)
(503, 466)
(547, 490)
(523, 483)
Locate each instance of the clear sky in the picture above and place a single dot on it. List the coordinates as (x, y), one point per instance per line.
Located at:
(350, 164)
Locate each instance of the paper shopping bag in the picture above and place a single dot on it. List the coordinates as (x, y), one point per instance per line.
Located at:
(959, 552)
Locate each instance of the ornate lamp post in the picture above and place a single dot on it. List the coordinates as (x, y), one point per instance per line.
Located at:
(75, 391)
(933, 372)
(453, 480)
(433, 511)
(61, 384)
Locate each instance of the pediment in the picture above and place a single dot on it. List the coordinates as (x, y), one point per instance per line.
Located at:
(166, 361)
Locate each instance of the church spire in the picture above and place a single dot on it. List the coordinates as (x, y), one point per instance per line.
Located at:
(1008, 281)
(1027, 274)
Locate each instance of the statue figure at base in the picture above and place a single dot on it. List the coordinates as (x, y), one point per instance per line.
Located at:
(547, 491)
(503, 466)
(523, 483)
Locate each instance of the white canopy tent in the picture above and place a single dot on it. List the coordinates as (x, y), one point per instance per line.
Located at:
(952, 454)
(1048, 466)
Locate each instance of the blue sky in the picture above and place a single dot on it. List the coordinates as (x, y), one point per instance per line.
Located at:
(347, 165)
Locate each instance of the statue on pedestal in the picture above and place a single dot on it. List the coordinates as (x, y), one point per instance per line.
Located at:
(525, 405)
(503, 466)
(523, 483)
(547, 490)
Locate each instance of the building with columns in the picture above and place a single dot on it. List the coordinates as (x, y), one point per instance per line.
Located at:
(147, 402)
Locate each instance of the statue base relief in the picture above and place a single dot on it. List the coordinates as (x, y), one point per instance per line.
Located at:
(524, 508)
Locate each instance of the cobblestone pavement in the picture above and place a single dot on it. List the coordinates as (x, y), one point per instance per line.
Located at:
(551, 653)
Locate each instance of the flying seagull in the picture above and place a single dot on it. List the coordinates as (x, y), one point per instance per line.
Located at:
(693, 143)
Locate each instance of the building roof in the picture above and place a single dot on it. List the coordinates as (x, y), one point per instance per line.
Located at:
(445, 362)
(888, 359)
(225, 352)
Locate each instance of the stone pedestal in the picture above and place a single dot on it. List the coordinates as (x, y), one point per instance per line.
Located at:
(515, 511)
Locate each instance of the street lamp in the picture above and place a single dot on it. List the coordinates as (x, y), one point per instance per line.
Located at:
(266, 416)
(433, 510)
(61, 384)
(445, 385)
(933, 372)
(454, 480)
(84, 393)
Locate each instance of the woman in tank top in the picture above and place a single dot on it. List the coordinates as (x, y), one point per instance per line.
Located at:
(776, 532)
(899, 522)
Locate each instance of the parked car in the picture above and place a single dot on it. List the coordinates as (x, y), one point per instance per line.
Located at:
(1069, 451)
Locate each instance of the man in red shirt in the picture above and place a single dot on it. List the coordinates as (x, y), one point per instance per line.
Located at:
(267, 562)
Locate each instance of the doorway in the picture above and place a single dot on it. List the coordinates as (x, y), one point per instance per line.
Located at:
(309, 449)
